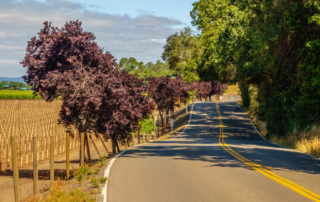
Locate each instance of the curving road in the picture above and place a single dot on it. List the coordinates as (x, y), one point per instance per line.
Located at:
(219, 157)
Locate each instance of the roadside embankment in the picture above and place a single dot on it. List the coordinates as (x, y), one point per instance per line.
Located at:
(307, 141)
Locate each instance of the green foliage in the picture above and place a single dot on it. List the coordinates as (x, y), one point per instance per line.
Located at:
(103, 180)
(14, 84)
(147, 125)
(17, 94)
(96, 171)
(244, 88)
(95, 182)
(190, 72)
(81, 172)
(192, 95)
(180, 49)
(75, 195)
(272, 45)
(144, 71)
(89, 172)
(1, 86)
(130, 64)
(102, 163)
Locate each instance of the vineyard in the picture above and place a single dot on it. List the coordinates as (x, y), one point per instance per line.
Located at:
(26, 119)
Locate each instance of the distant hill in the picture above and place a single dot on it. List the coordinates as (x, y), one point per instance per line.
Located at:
(16, 79)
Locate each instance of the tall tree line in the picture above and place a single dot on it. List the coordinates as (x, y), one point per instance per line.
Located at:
(98, 95)
(144, 71)
(271, 45)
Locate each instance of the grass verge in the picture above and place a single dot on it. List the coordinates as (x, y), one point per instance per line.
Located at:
(305, 141)
(84, 187)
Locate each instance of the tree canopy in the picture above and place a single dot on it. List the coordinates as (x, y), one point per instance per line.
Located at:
(182, 51)
(144, 71)
(271, 45)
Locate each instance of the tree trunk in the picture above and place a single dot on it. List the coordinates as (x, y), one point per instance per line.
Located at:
(138, 136)
(172, 115)
(117, 146)
(162, 120)
(113, 145)
(88, 148)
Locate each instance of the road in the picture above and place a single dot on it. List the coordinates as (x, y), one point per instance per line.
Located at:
(219, 157)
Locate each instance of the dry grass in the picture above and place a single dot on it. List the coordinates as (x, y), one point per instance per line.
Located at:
(305, 141)
(234, 90)
(58, 184)
(61, 193)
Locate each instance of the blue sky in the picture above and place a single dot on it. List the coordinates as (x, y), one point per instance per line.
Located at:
(178, 9)
(125, 28)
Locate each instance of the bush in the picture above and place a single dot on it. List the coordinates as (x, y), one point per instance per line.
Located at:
(102, 180)
(59, 195)
(81, 172)
(95, 182)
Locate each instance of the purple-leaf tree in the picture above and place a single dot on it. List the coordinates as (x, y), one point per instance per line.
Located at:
(164, 92)
(124, 105)
(217, 89)
(67, 63)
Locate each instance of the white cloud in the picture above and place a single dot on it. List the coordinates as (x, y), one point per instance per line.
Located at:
(142, 37)
(8, 62)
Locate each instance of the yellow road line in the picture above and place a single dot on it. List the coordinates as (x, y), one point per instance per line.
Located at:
(291, 185)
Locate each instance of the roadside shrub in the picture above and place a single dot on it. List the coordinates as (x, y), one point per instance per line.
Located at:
(95, 182)
(102, 180)
(81, 172)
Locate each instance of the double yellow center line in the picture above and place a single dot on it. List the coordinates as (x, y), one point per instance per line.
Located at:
(263, 170)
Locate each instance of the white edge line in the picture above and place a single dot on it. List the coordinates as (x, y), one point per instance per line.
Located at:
(107, 171)
(273, 142)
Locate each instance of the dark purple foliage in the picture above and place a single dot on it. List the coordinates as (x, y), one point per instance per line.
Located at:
(205, 89)
(67, 62)
(123, 107)
(164, 92)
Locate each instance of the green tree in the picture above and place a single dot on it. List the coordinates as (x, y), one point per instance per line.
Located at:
(130, 64)
(1, 86)
(190, 72)
(180, 48)
(271, 45)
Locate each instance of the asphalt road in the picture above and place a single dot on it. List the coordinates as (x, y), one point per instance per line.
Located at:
(219, 157)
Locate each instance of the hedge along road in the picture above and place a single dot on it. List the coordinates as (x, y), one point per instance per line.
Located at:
(219, 157)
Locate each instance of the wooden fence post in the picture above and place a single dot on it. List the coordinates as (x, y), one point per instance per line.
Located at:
(51, 160)
(164, 124)
(67, 155)
(82, 149)
(15, 168)
(35, 166)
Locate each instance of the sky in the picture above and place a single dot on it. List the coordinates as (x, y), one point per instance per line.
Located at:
(125, 28)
